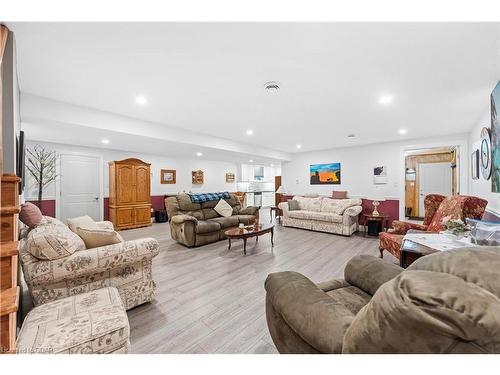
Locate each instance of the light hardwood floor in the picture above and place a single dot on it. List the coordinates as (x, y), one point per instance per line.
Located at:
(211, 300)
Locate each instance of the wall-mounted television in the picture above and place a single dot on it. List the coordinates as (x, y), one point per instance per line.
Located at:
(20, 155)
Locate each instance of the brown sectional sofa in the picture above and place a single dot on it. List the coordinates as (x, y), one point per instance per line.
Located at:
(197, 224)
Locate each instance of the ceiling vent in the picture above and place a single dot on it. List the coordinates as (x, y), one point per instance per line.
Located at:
(272, 86)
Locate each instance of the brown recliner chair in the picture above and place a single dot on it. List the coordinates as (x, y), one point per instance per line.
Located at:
(448, 302)
(437, 207)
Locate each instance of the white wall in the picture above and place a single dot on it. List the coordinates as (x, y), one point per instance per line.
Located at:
(481, 187)
(357, 165)
(214, 171)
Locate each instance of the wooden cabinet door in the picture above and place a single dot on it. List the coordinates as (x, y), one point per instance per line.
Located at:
(124, 216)
(142, 182)
(125, 184)
(142, 215)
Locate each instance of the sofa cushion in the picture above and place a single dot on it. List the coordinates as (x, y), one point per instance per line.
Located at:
(293, 205)
(53, 241)
(98, 237)
(207, 226)
(83, 222)
(309, 204)
(326, 216)
(339, 194)
(338, 206)
(185, 204)
(246, 219)
(52, 220)
(223, 208)
(209, 213)
(301, 214)
(93, 322)
(30, 215)
(226, 222)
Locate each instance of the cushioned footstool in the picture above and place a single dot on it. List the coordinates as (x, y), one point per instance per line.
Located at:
(93, 322)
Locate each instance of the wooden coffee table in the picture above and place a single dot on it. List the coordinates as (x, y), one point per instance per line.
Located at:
(248, 232)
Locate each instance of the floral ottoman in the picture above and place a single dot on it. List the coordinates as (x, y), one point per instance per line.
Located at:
(93, 322)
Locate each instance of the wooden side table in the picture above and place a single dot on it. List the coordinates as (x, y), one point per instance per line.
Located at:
(277, 213)
(383, 219)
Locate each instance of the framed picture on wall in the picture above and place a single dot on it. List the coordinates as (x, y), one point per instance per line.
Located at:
(380, 174)
(167, 176)
(474, 165)
(197, 177)
(324, 174)
(230, 177)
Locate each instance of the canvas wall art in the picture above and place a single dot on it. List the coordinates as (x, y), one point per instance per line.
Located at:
(325, 174)
(380, 175)
(495, 139)
(230, 177)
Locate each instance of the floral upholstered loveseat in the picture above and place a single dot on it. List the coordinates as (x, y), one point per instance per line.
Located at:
(339, 216)
(63, 266)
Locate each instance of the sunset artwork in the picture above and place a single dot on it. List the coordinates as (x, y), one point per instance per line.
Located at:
(325, 174)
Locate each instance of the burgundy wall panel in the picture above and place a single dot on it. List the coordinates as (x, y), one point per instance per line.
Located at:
(389, 207)
(48, 207)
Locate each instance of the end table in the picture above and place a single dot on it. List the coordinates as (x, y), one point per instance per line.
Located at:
(383, 219)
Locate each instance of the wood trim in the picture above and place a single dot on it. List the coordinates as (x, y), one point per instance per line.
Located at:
(9, 301)
(9, 249)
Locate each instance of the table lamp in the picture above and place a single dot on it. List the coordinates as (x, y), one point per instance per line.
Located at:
(376, 199)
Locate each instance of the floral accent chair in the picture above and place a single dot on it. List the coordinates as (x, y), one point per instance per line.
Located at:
(437, 207)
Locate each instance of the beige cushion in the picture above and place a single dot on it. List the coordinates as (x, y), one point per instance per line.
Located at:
(53, 241)
(326, 216)
(309, 204)
(98, 237)
(338, 206)
(223, 208)
(301, 214)
(52, 220)
(82, 222)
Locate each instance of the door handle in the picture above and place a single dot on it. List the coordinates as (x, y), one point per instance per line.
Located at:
(96, 198)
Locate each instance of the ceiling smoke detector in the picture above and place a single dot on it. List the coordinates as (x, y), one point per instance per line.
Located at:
(272, 86)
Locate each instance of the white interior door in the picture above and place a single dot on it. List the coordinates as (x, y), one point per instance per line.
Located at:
(433, 178)
(80, 187)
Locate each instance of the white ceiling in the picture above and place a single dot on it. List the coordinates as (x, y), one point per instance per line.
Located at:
(209, 77)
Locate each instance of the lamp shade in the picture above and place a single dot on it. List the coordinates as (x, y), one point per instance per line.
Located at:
(280, 190)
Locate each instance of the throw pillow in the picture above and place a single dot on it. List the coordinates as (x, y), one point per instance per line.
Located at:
(223, 208)
(293, 205)
(98, 237)
(339, 194)
(52, 241)
(83, 222)
(30, 215)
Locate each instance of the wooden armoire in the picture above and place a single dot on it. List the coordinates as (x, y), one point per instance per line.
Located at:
(129, 193)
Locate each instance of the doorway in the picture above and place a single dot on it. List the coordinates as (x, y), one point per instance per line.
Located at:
(430, 171)
(80, 187)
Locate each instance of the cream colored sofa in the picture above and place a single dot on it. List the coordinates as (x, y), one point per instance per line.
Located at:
(322, 214)
(56, 273)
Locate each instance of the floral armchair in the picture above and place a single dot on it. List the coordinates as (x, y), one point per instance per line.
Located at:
(437, 207)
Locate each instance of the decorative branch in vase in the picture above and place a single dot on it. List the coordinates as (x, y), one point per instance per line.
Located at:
(41, 165)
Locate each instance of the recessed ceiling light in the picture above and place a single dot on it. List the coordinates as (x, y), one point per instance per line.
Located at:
(250, 161)
(249, 132)
(385, 99)
(272, 86)
(105, 141)
(271, 165)
(351, 135)
(402, 131)
(199, 154)
(299, 146)
(141, 100)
